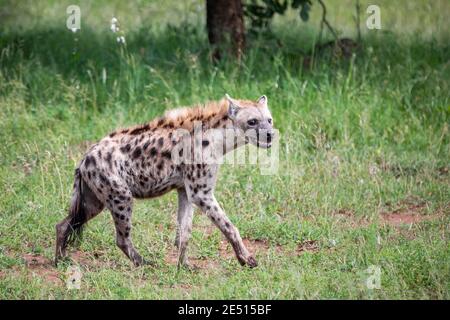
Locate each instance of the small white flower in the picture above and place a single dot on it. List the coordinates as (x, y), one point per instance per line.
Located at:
(121, 39)
(114, 25)
(333, 242)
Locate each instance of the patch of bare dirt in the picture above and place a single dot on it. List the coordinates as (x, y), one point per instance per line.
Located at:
(397, 219)
(408, 211)
(41, 267)
(412, 210)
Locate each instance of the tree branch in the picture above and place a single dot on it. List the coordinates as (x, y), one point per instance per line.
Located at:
(325, 21)
(358, 20)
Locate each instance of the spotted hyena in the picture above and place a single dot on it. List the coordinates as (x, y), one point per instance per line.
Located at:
(167, 153)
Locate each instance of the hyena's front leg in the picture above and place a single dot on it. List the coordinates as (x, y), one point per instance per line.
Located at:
(184, 227)
(209, 205)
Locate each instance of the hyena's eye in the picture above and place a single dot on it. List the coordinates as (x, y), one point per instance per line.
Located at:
(252, 122)
(269, 120)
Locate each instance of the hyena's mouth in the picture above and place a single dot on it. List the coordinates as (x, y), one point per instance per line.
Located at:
(258, 143)
(265, 145)
(261, 138)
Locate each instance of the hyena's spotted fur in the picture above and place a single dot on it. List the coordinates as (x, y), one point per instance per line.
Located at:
(138, 163)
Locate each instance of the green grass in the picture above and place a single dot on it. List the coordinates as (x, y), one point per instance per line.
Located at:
(358, 138)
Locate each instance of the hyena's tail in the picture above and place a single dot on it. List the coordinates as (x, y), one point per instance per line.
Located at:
(83, 206)
(77, 213)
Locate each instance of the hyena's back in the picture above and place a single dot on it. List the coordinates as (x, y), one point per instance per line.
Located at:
(137, 165)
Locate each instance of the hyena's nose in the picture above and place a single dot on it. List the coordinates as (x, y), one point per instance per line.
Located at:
(269, 136)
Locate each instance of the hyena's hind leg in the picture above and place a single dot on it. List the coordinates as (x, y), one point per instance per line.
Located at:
(120, 203)
(84, 206)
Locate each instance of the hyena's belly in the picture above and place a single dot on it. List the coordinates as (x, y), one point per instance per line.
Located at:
(148, 183)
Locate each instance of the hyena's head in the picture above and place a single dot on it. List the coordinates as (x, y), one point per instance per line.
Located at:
(253, 119)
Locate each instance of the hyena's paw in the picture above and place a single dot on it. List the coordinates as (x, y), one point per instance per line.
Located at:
(251, 262)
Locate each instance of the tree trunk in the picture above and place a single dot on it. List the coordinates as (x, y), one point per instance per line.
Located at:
(225, 24)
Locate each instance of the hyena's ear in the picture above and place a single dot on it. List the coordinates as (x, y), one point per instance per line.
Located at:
(233, 107)
(262, 101)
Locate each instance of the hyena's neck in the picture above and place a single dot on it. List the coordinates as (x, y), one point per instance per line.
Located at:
(211, 121)
(212, 115)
